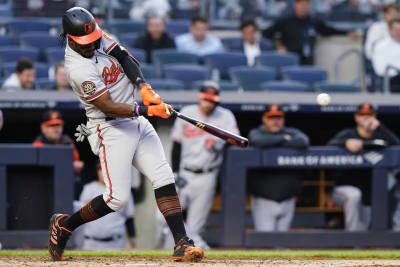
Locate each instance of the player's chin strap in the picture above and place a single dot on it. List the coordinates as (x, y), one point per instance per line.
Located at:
(81, 132)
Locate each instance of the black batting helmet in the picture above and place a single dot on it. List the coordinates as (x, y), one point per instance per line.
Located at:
(80, 26)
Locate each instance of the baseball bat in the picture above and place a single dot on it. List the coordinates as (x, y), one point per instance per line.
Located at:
(221, 133)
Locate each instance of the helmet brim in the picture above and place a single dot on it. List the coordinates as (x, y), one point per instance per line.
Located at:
(87, 39)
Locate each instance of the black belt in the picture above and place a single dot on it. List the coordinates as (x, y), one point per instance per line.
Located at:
(106, 239)
(109, 118)
(198, 171)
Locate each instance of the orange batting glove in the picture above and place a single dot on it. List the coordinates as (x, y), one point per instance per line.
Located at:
(162, 110)
(149, 97)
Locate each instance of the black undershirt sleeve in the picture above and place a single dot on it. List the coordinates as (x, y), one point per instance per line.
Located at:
(176, 156)
(129, 65)
(130, 227)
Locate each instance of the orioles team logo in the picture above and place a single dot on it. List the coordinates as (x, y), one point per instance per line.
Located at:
(110, 74)
(88, 28)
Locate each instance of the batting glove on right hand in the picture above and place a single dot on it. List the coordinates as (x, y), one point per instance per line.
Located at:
(82, 132)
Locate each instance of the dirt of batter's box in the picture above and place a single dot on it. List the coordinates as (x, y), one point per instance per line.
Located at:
(208, 262)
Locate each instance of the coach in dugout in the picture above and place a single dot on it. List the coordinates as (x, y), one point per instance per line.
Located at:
(352, 189)
(273, 192)
(298, 32)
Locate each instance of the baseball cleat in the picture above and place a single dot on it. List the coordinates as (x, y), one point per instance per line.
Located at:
(58, 237)
(186, 251)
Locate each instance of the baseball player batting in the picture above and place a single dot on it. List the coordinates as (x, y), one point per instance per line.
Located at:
(104, 77)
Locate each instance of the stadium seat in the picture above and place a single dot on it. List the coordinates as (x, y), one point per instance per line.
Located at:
(139, 54)
(250, 79)
(119, 27)
(288, 86)
(13, 53)
(187, 73)
(171, 56)
(223, 86)
(166, 84)
(231, 43)
(128, 39)
(223, 61)
(39, 40)
(42, 69)
(333, 87)
(178, 26)
(149, 71)
(44, 84)
(307, 74)
(54, 55)
(6, 40)
(277, 60)
(19, 26)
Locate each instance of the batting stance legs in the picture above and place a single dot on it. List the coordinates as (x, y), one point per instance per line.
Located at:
(120, 143)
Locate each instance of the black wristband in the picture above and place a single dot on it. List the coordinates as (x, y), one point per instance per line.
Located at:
(143, 110)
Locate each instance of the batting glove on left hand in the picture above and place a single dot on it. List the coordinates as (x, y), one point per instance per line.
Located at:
(82, 132)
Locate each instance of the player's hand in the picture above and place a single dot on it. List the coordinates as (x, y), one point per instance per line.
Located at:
(149, 97)
(162, 110)
(354, 145)
(81, 132)
(371, 124)
(180, 182)
(78, 166)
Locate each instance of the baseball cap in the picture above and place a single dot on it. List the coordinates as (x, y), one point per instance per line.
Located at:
(210, 91)
(365, 109)
(52, 117)
(274, 110)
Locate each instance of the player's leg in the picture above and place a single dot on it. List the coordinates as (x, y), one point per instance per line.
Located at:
(349, 198)
(150, 160)
(287, 213)
(202, 188)
(265, 212)
(114, 146)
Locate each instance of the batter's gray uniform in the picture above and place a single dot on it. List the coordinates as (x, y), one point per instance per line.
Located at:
(122, 142)
(199, 166)
(108, 232)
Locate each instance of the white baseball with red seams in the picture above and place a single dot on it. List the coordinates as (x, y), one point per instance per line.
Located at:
(122, 142)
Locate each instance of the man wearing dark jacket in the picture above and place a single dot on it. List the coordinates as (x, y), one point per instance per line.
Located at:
(273, 192)
(353, 187)
(155, 38)
(299, 31)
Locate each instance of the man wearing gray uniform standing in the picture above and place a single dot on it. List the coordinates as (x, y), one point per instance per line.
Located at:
(273, 191)
(197, 157)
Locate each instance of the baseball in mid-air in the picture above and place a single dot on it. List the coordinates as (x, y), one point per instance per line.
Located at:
(323, 99)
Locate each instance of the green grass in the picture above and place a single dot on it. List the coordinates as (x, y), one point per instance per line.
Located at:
(388, 254)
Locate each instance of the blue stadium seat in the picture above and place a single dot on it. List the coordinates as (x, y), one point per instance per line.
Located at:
(166, 84)
(128, 39)
(39, 40)
(119, 27)
(307, 74)
(42, 69)
(178, 26)
(44, 84)
(149, 71)
(223, 86)
(334, 87)
(54, 55)
(277, 60)
(250, 79)
(288, 86)
(187, 73)
(139, 54)
(232, 43)
(224, 60)
(19, 26)
(171, 56)
(13, 53)
(6, 40)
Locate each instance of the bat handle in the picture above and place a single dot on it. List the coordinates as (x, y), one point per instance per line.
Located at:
(174, 113)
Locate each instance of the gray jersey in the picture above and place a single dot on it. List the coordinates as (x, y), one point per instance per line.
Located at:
(92, 77)
(194, 155)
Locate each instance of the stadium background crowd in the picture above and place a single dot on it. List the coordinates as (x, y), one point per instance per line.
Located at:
(244, 46)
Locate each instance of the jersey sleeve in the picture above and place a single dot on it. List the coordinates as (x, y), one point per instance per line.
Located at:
(87, 83)
(129, 210)
(107, 43)
(177, 131)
